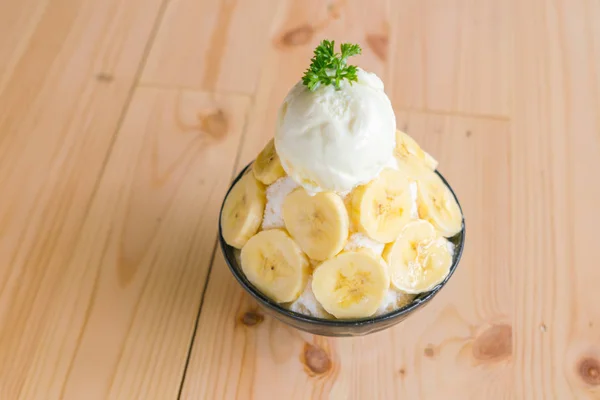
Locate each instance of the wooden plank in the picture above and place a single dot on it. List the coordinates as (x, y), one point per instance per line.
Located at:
(18, 21)
(121, 318)
(67, 70)
(211, 45)
(459, 345)
(452, 56)
(555, 150)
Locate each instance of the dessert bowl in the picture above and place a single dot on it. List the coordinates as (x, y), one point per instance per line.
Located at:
(338, 327)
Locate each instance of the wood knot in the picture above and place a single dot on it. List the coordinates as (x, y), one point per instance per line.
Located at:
(251, 318)
(468, 133)
(298, 36)
(429, 351)
(104, 77)
(214, 123)
(379, 45)
(315, 359)
(335, 9)
(402, 372)
(589, 370)
(494, 344)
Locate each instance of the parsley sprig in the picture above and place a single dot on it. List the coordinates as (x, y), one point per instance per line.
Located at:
(328, 67)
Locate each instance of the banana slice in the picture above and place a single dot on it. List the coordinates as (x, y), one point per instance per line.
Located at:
(243, 211)
(437, 205)
(406, 146)
(409, 150)
(418, 260)
(382, 207)
(351, 285)
(319, 223)
(274, 263)
(267, 166)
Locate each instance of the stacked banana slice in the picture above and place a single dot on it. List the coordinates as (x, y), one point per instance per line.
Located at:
(310, 258)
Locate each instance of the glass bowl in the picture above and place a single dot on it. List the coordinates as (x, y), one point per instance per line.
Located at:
(335, 327)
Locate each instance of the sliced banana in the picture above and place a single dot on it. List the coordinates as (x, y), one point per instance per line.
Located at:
(406, 146)
(267, 166)
(408, 149)
(437, 205)
(351, 285)
(243, 211)
(276, 265)
(419, 259)
(382, 207)
(319, 223)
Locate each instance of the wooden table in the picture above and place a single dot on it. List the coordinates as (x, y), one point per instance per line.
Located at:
(123, 122)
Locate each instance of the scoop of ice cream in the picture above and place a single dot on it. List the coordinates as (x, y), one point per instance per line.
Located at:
(334, 140)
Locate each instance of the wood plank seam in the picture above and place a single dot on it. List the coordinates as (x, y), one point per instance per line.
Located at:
(107, 157)
(214, 251)
(191, 345)
(212, 262)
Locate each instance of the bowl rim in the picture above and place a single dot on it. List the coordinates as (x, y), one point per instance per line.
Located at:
(338, 323)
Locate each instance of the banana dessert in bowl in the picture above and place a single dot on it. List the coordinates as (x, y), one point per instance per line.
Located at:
(342, 225)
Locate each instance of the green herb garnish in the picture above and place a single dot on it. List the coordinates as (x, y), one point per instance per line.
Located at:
(328, 67)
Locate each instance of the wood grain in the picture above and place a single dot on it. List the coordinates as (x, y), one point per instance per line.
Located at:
(57, 122)
(148, 241)
(555, 150)
(452, 56)
(194, 48)
(130, 291)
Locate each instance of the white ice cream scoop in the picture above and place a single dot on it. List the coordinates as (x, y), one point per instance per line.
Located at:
(335, 139)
